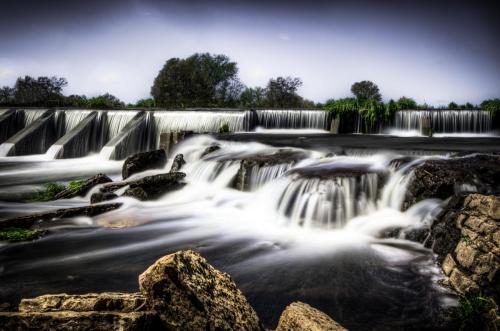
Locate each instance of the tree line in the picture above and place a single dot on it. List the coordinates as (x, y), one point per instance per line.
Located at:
(211, 80)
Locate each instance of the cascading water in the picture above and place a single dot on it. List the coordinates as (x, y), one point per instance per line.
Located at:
(445, 121)
(293, 119)
(312, 224)
(200, 121)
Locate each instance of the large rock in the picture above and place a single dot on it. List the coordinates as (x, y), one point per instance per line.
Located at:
(107, 301)
(190, 294)
(78, 321)
(152, 187)
(442, 178)
(144, 161)
(301, 317)
(83, 188)
(466, 239)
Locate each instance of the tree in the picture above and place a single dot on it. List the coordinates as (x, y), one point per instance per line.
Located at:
(76, 101)
(146, 103)
(406, 103)
(366, 90)
(253, 97)
(6, 96)
(491, 105)
(105, 101)
(41, 91)
(201, 80)
(281, 92)
(452, 105)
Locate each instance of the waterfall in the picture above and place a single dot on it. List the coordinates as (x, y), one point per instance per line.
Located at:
(327, 203)
(445, 121)
(262, 175)
(67, 120)
(32, 115)
(293, 119)
(200, 121)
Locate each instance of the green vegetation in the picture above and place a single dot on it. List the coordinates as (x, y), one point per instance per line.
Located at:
(201, 80)
(16, 235)
(75, 185)
(51, 190)
(491, 105)
(474, 312)
(211, 80)
(224, 128)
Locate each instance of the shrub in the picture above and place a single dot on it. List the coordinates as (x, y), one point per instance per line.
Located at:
(473, 313)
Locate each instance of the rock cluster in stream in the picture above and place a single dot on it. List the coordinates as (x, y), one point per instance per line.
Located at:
(443, 178)
(180, 291)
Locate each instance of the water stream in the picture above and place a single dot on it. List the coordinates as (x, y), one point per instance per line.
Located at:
(309, 230)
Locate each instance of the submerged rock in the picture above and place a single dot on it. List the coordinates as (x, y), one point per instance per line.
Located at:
(144, 161)
(190, 294)
(152, 187)
(299, 316)
(177, 163)
(210, 149)
(29, 220)
(102, 196)
(442, 178)
(83, 187)
(466, 238)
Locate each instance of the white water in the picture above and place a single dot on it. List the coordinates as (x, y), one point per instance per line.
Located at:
(293, 119)
(199, 121)
(445, 121)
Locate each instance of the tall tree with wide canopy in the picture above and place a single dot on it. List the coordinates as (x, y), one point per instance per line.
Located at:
(365, 91)
(201, 80)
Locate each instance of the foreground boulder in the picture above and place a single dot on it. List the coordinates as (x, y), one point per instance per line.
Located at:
(144, 161)
(442, 178)
(152, 187)
(180, 291)
(190, 294)
(82, 187)
(466, 239)
(299, 316)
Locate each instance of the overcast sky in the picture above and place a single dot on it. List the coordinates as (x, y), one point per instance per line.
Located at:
(434, 51)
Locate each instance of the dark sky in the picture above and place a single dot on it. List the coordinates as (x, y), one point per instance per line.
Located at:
(434, 51)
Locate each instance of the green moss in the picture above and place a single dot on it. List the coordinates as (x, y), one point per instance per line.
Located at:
(474, 312)
(51, 190)
(16, 235)
(75, 185)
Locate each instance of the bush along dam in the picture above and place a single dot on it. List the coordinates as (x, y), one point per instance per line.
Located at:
(239, 219)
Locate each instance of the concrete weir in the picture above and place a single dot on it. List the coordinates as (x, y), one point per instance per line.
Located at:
(9, 124)
(76, 142)
(133, 138)
(33, 139)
